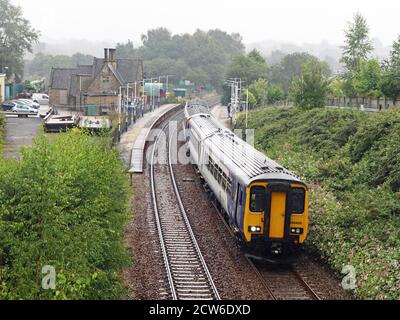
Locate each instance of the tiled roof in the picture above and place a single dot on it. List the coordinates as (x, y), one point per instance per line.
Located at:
(60, 78)
(127, 71)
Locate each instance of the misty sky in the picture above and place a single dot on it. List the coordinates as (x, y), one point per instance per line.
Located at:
(296, 21)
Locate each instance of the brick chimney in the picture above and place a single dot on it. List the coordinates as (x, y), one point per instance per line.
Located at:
(106, 55)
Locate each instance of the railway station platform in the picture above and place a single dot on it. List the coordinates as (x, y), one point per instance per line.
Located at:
(132, 143)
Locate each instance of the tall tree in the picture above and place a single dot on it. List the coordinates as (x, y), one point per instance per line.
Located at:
(311, 89)
(201, 57)
(249, 67)
(358, 45)
(16, 37)
(390, 84)
(367, 80)
(291, 68)
(126, 50)
(259, 89)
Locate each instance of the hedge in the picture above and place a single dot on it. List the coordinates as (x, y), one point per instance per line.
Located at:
(64, 204)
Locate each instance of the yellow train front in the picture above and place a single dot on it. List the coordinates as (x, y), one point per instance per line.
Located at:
(265, 205)
(275, 217)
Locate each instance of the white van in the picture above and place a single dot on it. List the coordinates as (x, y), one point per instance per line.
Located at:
(41, 98)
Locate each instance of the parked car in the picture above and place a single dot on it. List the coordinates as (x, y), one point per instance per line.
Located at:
(41, 98)
(20, 108)
(8, 106)
(30, 103)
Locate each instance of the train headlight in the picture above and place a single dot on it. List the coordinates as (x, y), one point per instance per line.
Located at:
(255, 229)
(298, 231)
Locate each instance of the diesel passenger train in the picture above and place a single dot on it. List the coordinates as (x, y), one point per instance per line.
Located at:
(265, 205)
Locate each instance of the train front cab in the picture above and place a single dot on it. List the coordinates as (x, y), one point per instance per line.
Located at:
(276, 218)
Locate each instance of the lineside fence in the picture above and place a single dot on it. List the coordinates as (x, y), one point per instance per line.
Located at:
(369, 102)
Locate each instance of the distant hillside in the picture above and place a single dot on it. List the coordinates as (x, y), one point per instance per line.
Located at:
(324, 50)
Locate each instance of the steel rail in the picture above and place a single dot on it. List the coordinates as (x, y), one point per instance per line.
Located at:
(178, 273)
(184, 214)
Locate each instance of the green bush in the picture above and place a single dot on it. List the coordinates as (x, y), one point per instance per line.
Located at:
(351, 161)
(64, 205)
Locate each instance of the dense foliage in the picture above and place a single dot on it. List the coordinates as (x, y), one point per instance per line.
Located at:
(311, 89)
(350, 161)
(363, 76)
(291, 68)
(63, 205)
(16, 37)
(271, 84)
(390, 83)
(201, 57)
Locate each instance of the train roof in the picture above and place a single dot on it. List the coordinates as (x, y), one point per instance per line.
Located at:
(250, 164)
(194, 108)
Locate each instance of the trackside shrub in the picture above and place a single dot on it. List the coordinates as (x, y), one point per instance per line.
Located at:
(351, 162)
(63, 205)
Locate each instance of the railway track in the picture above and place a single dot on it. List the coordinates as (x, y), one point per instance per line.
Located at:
(283, 282)
(187, 273)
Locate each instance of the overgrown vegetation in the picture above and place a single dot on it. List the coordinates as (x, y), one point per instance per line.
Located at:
(350, 161)
(64, 204)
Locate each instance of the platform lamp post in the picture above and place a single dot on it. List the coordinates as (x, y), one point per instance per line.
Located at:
(127, 105)
(119, 113)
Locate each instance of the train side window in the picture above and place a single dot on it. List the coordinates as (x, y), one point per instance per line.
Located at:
(257, 199)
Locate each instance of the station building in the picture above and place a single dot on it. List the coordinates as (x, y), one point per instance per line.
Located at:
(99, 84)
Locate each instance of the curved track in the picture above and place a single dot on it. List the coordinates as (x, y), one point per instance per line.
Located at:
(187, 273)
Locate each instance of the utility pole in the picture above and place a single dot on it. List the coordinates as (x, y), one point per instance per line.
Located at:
(236, 89)
(247, 109)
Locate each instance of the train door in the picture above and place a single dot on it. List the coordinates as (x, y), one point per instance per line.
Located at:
(278, 221)
(239, 206)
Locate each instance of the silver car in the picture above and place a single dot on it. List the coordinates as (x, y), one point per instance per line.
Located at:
(21, 108)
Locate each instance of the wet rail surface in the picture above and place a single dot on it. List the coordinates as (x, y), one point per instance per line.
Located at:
(186, 271)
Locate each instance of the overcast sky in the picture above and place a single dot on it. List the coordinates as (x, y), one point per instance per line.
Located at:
(296, 21)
